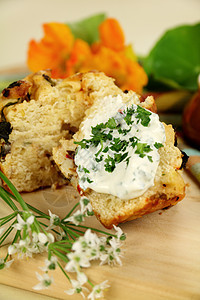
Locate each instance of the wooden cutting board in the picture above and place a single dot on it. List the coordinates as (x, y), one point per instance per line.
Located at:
(161, 255)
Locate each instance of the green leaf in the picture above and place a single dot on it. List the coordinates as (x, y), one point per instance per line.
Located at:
(87, 29)
(175, 59)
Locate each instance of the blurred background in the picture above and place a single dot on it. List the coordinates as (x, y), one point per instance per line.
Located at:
(143, 21)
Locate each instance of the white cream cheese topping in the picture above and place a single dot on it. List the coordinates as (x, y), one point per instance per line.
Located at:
(119, 151)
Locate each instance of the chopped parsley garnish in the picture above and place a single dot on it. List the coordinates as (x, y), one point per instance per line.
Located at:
(143, 115)
(86, 170)
(120, 157)
(111, 123)
(134, 140)
(118, 145)
(109, 164)
(82, 143)
(89, 180)
(142, 148)
(150, 158)
(109, 139)
(158, 145)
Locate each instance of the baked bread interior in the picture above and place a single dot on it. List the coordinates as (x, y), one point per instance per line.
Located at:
(36, 113)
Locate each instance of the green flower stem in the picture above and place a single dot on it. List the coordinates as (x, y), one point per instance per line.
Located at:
(60, 255)
(64, 249)
(77, 230)
(5, 259)
(63, 271)
(49, 254)
(71, 236)
(35, 210)
(45, 225)
(25, 233)
(63, 242)
(43, 217)
(97, 230)
(7, 199)
(17, 235)
(6, 221)
(14, 191)
(39, 227)
(7, 217)
(71, 211)
(6, 233)
(92, 285)
(14, 240)
(69, 231)
(42, 214)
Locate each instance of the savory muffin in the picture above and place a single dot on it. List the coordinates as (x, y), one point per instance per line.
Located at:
(123, 159)
(36, 113)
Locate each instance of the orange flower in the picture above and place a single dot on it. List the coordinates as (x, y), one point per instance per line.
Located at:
(111, 35)
(53, 50)
(80, 54)
(64, 55)
(111, 56)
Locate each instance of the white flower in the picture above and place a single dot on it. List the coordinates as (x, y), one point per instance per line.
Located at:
(45, 281)
(6, 264)
(76, 218)
(78, 285)
(22, 248)
(12, 249)
(111, 254)
(97, 291)
(76, 261)
(21, 223)
(50, 264)
(85, 205)
(91, 238)
(88, 241)
(60, 235)
(53, 219)
(35, 243)
(45, 238)
(120, 234)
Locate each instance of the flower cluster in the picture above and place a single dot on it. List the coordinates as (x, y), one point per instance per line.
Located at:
(63, 53)
(70, 245)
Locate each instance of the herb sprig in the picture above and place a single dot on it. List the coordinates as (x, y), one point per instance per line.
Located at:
(70, 245)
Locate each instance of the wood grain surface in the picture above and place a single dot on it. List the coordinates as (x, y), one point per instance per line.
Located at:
(161, 257)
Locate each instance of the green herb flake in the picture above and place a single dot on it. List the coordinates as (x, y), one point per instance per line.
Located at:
(109, 164)
(83, 144)
(89, 180)
(111, 123)
(128, 118)
(143, 115)
(150, 158)
(99, 159)
(118, 157)
(142, 149)
(158, 145)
